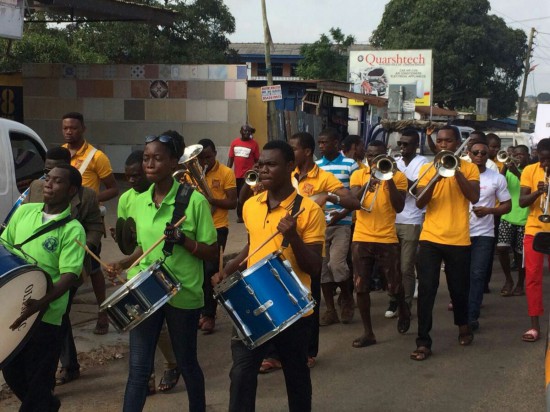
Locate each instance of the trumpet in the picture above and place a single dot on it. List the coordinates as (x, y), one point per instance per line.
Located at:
(545, 199)
(193, 172)
(251, 177)
(383, 168)
(504, 157)
(446, 163)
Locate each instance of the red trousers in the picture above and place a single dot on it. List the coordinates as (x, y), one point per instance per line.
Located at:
(534, 262)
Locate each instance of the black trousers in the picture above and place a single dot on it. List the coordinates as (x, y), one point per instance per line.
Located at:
(457, 270)
(30, 374)
(210, 269)
(291, 345)
(68, 355)
(240, 184)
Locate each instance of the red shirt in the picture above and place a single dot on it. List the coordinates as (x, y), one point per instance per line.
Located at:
(244, 154)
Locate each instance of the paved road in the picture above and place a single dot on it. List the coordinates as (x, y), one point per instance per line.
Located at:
(498, 372)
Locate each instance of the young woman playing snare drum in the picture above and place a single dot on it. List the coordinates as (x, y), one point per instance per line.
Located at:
(194, 241)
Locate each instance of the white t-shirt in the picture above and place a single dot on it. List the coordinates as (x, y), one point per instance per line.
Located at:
(489, 164)
(411, 215)
(492, 187)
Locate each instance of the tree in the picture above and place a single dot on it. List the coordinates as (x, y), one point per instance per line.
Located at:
(326, 58)
(475, 54)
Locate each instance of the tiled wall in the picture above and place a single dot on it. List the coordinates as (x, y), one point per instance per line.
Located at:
(124, 103)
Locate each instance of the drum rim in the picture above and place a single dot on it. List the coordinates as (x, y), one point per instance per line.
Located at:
(14, 273)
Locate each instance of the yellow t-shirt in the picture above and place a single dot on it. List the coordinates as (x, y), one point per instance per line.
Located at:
(261, 223)
(447, 218)
(500, 165)
(316, 181)
(220, 179)
(98, 168)
(530, 177)
(378, 225)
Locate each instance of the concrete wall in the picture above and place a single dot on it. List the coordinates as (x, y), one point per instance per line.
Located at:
(124, 103)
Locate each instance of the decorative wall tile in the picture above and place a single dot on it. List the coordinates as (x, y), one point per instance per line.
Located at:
(137, 72)
(175, 72)
(50, 108)
(67, 88)
(122, 89)
(177, 89)
(196, 89)
(216, 111)
(198, 72)
(82, 71)
(230, 90)
(165, 71)
(183, 72)
(158, 89)
(94, 88)
(240, 90)
(134, 110)
(231, 72)
(97, 71)
(69, 71)
(241, 72)
(40, 87)
(217, 72)
(214, 90)
(151, 71)
(236, 112)
(165, 109)
(113, 109)
(140, 89)
(93, 109)
(123, 71)
(195, 111)
(110, 71)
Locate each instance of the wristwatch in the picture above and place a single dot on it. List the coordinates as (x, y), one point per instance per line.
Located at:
(335, 196)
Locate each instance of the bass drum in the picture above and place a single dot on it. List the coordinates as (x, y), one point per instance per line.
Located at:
(19, 281)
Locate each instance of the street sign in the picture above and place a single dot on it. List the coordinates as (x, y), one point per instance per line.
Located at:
(271, 93)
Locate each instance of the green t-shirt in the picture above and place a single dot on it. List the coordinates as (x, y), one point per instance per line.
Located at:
(126, 203)
(518, 215)
(199, 226)
(55, 251)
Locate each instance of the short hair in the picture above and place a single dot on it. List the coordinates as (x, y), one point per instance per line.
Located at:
(543, 145)
(493, 136)
(75, 178)
(134, 158)
(479, 133)
(248, 126)
(179, 146)
(522, 147)
(331, 133)
(74, 115)
(411, 133)
(59, 153)
(454, 129)
(305, 140)
(478, 141)
(377, 143)
(282, 146)
(207, 143)
(351, 139)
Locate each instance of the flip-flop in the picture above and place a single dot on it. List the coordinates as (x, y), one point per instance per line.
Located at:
(270, 365)
(532, 335)
(506, 290)
(421, 353)
(169, 380)
(363, 342)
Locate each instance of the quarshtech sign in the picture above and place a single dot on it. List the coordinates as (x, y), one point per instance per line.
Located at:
(373, 71)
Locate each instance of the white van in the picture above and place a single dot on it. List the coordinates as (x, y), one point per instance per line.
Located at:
(22, 155)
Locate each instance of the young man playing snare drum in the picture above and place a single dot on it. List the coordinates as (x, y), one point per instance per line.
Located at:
(264, 215)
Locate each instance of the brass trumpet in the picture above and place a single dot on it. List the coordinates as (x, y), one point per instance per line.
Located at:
(251, 177)
(383, 168)
(193, 172)
(504, 157)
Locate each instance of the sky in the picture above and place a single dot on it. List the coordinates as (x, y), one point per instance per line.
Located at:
(303, 21)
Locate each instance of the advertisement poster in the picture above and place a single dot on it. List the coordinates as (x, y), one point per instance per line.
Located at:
(542, 123)
(373, 71)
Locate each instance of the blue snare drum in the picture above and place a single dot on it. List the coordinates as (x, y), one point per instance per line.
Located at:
(19, 281)
(140, 297)
(263, 300)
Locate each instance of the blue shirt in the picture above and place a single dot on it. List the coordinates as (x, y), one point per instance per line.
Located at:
(342, 167)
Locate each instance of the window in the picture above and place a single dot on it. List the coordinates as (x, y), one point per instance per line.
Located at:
(28, 159)
(276, 68)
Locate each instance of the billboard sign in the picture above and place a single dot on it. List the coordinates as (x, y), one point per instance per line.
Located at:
(270, 93)
(542, 123)
(373, 71)
(11, 18)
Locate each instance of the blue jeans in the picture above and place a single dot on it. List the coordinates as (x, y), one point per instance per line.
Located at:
(480, 264)
(182, 326)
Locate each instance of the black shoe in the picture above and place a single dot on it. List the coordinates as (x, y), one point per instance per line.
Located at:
(392, 310)
(474, 325)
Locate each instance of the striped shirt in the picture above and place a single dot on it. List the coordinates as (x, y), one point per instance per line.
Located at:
(341, 167)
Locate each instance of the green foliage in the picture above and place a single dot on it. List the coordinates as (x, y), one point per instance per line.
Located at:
(475, 54)
(198, 36)
(326, 58)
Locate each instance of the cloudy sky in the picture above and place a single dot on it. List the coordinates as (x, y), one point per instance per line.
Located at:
(302, 21)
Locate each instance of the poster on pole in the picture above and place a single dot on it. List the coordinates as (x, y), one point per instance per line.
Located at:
(374, 71)
(270, 93)
(11, 18)
(542, 123)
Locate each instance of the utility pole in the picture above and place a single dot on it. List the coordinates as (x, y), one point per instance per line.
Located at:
(268, 42)
(527, 65)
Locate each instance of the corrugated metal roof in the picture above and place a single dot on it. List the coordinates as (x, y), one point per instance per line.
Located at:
(372, 100)
(287, 49)
(435, 111)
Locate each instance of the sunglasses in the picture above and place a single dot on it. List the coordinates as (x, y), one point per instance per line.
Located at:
(163, 139)
(404, 144)
(479, 152)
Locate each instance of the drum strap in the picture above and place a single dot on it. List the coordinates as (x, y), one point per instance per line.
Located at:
(295, 209)
(54, 225)
(182, 201)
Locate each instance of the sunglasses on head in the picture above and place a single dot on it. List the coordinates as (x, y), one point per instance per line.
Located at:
(163, 139)
(404, 144)
(479, 152)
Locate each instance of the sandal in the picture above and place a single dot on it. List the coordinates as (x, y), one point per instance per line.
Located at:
(169, 379)
(518, 291)
(270, 365)
(532, 335)
(102, 325)
(506, 290)
(363, 342)
(65, 375)
(151, 389)
(421, 353)
(466, 338)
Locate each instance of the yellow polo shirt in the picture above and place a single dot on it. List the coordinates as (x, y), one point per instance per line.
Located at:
(261, 223)
(220, 179)
(530, 177)
(98, 168)
(447, 218)
(378, 225)
(316, 181)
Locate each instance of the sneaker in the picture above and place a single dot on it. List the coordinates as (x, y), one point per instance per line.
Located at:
(328, 318)
(415, 296)
(392, 310)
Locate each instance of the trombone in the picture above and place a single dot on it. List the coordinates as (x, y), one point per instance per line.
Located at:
(446, 163)
(545, 199)
(383, 168)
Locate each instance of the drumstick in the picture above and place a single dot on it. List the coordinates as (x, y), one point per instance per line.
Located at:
(154, 245)
(92, 254)
(246, 259)
(220, 265)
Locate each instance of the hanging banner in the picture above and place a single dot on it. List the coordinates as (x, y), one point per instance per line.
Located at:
(11, 18)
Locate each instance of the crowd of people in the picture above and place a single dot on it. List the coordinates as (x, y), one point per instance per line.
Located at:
(352, 221)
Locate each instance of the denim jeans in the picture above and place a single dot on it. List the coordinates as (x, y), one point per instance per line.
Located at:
(480, 264)
(182, 326)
